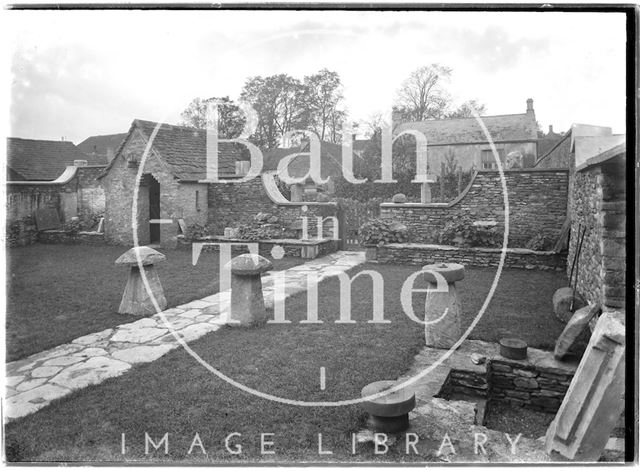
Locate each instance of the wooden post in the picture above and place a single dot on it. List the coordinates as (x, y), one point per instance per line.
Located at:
(442, 181)
(460, 181)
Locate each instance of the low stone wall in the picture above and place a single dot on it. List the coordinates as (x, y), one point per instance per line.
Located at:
(313, 248)
(80, 238)
(539, 382)
(533, 387)
(422, 254)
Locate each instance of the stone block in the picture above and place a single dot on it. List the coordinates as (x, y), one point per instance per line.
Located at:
(525, 383)
(578, 323)
(595, 399)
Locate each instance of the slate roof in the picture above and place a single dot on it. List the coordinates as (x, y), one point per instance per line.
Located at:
(99, 145)
(508, 127)
(330, 159)
(37, 160)
(183, 149)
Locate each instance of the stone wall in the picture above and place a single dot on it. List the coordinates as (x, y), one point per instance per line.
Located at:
(530, 386)
(537, 202)
(598, 202)
(538, 382)
(233, 204)
(265, 247)
(81, 196)
(79, 238)
(422, 254)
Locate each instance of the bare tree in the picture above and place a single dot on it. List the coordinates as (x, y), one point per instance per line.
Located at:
(423, 95)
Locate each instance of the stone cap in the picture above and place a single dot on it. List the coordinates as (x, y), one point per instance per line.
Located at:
(249, 264)
(391, 405)
(450, 271)
(146, 255)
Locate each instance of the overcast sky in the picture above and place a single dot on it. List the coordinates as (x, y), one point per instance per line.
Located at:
(77, 74)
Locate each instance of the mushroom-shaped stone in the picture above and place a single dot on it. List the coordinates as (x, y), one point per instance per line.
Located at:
(443, 310)
(249, 264)
(388, 413)
(247, 301)
(140, 292)
(451, 272)
(146, 255)
(399, 198)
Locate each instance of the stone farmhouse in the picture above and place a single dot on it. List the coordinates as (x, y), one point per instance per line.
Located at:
(464, 139)
(169, 185)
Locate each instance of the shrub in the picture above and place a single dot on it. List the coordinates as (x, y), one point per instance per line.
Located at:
(381, 231)
(542, 241)
(72, 227)
(264, 226)
(198, 231)
(462, 233)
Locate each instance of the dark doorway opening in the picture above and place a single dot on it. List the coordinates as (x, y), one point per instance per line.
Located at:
(154, 210)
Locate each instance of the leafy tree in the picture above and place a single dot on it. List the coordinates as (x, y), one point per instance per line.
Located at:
(279, 101)
(231, 119)
(466, 109)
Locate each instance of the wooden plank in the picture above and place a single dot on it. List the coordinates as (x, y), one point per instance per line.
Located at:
(561, 243)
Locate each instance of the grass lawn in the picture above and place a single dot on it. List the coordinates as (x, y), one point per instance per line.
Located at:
(56, 293)
(178, 396)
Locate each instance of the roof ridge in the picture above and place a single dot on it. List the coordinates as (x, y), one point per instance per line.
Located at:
(461, 119)
(40, 140)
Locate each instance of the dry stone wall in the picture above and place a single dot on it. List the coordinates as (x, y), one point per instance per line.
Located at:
(537, 203)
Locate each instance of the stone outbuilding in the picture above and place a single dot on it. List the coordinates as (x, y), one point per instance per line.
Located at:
(170, 193)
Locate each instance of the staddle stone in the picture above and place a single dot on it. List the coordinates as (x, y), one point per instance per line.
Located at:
(137, 299)
(443, 309)
(247, 301)
(388, 413)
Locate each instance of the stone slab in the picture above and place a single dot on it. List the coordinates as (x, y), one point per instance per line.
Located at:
(578, 322)
(93, 371)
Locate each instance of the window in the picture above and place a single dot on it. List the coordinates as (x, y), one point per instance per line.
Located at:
(488, 161)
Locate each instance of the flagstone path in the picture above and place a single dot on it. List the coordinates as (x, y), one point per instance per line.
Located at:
(35, 381)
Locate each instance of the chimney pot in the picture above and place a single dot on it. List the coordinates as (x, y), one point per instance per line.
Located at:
(551, 129)
(529, 105)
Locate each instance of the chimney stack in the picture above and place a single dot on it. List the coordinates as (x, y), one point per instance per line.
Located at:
(551, 129)
(529, 105)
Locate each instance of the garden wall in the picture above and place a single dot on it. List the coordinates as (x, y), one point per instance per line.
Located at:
(233, 204)
(537, 203)
(598, 202)
(81, 195)
(62, 237)
(422, 254)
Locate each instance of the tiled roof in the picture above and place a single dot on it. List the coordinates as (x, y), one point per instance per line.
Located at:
(33, 159)
(330, 159)
(100, 145)
(184, 149)
(511, 127)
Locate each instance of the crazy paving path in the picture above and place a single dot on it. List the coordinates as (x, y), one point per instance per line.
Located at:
(35, 381)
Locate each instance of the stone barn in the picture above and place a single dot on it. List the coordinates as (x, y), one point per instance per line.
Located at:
(170, 194)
